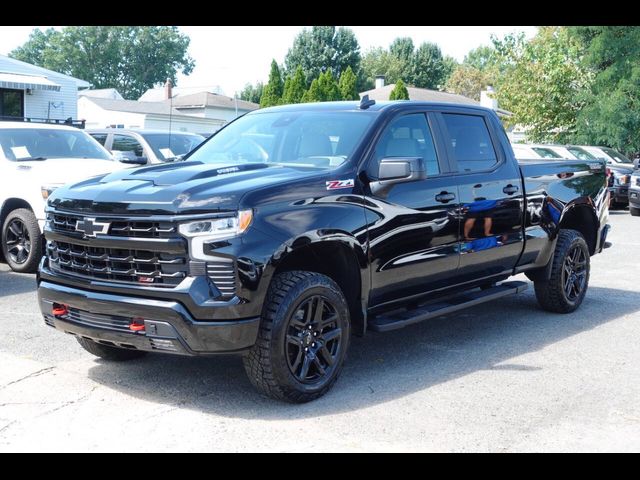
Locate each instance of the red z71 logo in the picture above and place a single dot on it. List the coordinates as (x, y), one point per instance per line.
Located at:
(338, 184)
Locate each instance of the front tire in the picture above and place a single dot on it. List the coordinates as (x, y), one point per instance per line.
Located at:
(108, 352)
(567, 285)
(303, 338)
(635, 212)
(21, 241)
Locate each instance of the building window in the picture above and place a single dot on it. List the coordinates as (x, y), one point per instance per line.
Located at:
(11, 103)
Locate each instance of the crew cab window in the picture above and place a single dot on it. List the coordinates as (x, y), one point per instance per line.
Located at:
(581, 154)
(471, 142)
(408, 136)
(546, 152)
(100, 137)
(125, 143)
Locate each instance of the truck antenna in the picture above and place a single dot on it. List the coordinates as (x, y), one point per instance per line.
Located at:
(366, 103)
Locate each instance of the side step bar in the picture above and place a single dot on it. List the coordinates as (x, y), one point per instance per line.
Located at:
(384, 323)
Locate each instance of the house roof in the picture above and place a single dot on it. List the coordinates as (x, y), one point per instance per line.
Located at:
(6, 62)
(101, 93)
(146, 108)
(426, 95)
(208, 99)
(157, 94)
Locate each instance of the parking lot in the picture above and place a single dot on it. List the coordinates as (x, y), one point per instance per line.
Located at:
(503, 377)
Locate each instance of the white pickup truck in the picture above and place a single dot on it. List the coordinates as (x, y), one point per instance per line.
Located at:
(35, 159)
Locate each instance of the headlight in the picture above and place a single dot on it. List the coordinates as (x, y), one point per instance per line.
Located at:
(47, 190)
(218, 227)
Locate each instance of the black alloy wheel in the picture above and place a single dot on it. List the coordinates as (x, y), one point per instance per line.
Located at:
(574, 273)
(18, 241)
(313, 340)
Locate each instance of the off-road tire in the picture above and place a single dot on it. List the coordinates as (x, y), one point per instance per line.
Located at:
(551, 293)
(108, 352)
(267, 364)
(635, 212)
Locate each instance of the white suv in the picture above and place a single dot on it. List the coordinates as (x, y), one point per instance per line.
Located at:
(34, 160)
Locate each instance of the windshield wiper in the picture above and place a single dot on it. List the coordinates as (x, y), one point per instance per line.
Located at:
(31, 159)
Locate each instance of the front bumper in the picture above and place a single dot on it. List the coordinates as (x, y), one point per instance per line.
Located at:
(168, 325)
(619, 193)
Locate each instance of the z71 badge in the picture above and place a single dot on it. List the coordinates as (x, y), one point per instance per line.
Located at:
(338, 184)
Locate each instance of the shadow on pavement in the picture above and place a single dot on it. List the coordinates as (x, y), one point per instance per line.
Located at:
(12, 283)
(380, 367)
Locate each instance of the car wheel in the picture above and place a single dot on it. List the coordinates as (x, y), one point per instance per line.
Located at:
(567, 285)
(634, 211)
(303, 338)
(21, 241)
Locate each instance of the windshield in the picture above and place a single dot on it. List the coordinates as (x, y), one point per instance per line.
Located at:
(304, 139)
(546, 152)
(581, 154)
(180, 144)
(22, 144)
(616, 156)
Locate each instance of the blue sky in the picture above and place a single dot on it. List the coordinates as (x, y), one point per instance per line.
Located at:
(232, 56)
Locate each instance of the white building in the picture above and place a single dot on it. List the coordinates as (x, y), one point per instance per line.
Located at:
(27, 91)
(113, 113)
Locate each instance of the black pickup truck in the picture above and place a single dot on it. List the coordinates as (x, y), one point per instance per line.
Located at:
(295, 227)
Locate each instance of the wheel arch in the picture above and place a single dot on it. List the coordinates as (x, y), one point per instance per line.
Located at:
(581, 216)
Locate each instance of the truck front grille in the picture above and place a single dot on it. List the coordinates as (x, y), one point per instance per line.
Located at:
(66, 223)
(223, 275)
(141, 267)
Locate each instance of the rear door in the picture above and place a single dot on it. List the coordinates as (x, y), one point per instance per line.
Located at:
(490, 192)
(413, 229)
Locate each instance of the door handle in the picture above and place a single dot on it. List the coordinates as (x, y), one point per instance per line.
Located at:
(445, 197)
(510, 189)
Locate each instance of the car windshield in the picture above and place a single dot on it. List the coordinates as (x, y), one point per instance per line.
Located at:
(546, 152)
(617, 156)
(304, 139)
(168, 146)
(581, 154)
(23, 144)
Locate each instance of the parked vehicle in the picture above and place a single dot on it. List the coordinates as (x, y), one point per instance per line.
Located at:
(609, 154)
(34, 160)
(144, 147)
(531, 151)
(295, 226)
(634, 194)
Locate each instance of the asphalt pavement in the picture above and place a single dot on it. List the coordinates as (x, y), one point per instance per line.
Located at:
(502, 377)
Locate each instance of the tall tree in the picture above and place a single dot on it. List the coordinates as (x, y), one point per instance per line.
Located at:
(541, 81)
(313, 94)
(294, 87)
(252, 93)
(272, 92)
(399, 92)
(468, 81)
(480, 58)
(321, 48)
(348, 85)
(328, 87)
(611, 112)
(378, 61)
(128, 58)
(402, 48)
(428, 69)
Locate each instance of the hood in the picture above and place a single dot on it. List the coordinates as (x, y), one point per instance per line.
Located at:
(60, 171)
(622, 169)
(167, 189)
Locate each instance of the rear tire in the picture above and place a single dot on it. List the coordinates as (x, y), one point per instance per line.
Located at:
(567, 285)
(303, 338)
(21, 241)
(108, 352)
(635, 212)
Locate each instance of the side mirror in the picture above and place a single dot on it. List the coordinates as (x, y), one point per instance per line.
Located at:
(128, 157)
(395, 170)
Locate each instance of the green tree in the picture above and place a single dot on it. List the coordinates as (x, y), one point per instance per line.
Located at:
(294, 87)
(323, 48)
(427, 69)
(348, 85)
(449, 65)
(611, 111)
(481, 58)
(399, 92)
(378, 61)
(541, 81)
(468, 81)
(252, 93)
(128, 58)
(313, 94)
(328, 87)
(402, 48)
(272, 92)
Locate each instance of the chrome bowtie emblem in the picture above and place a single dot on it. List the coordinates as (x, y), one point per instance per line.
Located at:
(90, 227)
